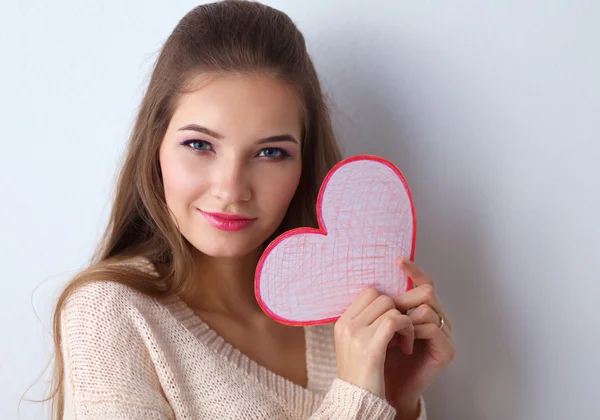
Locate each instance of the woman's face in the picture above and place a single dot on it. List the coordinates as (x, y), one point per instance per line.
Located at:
(231, 162)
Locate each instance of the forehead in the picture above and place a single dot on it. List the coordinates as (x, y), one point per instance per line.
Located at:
(256, 104)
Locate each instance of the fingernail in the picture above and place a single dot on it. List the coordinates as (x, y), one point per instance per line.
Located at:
(405, 260)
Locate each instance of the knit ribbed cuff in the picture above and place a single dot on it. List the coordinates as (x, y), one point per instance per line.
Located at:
(348, 401)
(423, 411)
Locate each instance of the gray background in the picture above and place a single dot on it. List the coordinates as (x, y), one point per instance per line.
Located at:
(490, 109)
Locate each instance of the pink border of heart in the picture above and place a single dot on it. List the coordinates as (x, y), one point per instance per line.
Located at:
(323, 231)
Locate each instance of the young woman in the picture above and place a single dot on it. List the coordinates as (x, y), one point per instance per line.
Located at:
(230, 146)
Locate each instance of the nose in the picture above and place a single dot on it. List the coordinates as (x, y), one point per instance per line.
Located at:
(230, 182)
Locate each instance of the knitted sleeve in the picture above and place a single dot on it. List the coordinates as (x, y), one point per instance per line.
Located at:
(348, 401)
(108, 371)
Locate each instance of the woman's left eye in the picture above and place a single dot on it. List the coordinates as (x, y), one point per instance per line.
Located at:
(273, 153)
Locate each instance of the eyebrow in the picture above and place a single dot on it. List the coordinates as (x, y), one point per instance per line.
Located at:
(209, 132)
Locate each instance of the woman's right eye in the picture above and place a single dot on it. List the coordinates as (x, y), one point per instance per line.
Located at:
(198, 145)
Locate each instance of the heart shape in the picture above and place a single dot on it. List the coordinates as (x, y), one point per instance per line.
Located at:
(366, 220)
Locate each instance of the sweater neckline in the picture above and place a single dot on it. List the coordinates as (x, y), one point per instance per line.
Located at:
(281, 386)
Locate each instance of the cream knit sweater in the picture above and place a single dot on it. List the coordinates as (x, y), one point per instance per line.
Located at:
(129, 356)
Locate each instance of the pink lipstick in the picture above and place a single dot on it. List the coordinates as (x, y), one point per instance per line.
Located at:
(228, 222)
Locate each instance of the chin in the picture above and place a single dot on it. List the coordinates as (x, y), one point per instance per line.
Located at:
(217, 252)
(228, 247)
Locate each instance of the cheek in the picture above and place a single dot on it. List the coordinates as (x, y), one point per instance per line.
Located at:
(281, 190)
(181, 183)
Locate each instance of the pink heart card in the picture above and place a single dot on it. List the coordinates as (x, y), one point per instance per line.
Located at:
(367, 220)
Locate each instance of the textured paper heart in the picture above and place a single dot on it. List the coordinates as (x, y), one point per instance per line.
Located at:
(366, 220)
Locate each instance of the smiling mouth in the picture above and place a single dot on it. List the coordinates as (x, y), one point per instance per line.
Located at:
(227, 222)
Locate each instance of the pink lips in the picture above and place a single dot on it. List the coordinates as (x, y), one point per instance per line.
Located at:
(229, 222)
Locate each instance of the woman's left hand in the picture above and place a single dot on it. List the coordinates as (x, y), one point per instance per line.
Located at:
(408, 376)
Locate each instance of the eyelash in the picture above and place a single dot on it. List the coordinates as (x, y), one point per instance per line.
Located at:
(188, 143)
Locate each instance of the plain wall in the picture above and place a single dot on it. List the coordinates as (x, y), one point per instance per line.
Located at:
(490, 109)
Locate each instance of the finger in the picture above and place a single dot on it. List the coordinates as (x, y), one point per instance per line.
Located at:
(424, 295)
(389, 324)
(442, 346)
(414, 272)
(424, 314)
(421, 295)
(361, 301)
(375, 310)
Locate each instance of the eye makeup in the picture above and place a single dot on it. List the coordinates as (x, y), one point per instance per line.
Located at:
(202, 147)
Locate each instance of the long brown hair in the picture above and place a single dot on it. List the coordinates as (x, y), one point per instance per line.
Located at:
(232, 36)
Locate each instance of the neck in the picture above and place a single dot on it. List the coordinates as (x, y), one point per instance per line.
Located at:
(226, 286)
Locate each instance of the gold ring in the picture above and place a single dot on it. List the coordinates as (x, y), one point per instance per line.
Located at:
(442, 322)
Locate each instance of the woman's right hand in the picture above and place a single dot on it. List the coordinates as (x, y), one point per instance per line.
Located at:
(362, 335)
